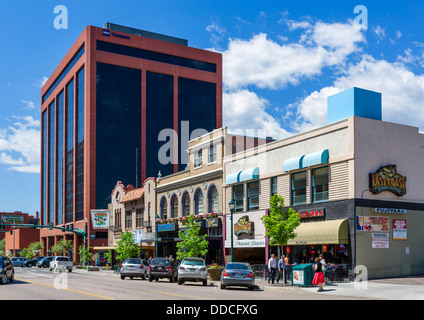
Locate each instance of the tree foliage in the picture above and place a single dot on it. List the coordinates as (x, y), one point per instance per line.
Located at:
(126, 247)
(62, 247)
(85, 254)
(192, 244)
(280, 223)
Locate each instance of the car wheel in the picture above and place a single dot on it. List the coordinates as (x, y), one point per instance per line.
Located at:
(180, 281)
(122, 278)
(143, 277)
(12, 278)
(205, 282)
(4, 278)
(50, 269)
(251, 288)
(70, 270)
(171, 279)
(30, 265)
(222, 286)
(150, 279)
(131, 278)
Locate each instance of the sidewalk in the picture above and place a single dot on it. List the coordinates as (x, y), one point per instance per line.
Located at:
(402, 288)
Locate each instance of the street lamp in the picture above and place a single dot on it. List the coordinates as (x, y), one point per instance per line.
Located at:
(156, 227)
(232, 206)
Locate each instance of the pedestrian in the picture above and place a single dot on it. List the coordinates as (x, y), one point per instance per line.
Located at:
(281, 267)
(272, 266)
(319, 275)
(321, 256)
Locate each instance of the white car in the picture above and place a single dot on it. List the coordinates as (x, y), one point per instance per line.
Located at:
(192, 269)
(61, 263)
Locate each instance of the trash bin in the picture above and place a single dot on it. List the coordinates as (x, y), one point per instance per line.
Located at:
(302, 275)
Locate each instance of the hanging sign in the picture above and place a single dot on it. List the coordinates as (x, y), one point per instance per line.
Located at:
(100, 218)
(387, 179)
(244, 226)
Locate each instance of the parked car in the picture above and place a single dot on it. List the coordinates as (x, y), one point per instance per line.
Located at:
(162, 268)
(192, 269)
(134, 268)
(238, 274)
(7, 270)
(44, 263)
(18, 261)
(61, 263)
(32, 262)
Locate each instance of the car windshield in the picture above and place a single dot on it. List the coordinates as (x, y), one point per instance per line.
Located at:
(238, 266)
(1, 262)
(160, 262)
(62, 259)
(193, 263)
(132, 261)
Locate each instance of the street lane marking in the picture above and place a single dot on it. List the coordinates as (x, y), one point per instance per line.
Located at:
(71, 290)
(182, 295)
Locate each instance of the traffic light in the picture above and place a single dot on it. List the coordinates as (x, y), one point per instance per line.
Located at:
(11, 231)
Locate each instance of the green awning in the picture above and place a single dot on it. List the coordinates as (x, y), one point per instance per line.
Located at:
(249, 174)
(232, 178)
(312, 159)
(322, 232)
(293, 164)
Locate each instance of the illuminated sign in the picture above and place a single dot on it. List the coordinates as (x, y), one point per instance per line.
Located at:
(387, 179)
(316, 213)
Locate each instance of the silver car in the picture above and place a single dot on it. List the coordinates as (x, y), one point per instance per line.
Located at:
(134, 268)
(192, 269)
(238, 274)
(18, 261)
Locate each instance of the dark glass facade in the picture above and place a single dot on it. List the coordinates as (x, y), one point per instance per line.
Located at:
(69, 158)
(51, 160)
(159, 116)
(44, 172)
(197, 107)
(59, 156)
(118, 128)
(79, 179)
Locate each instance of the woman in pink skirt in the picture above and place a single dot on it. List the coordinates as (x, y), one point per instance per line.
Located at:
(319, 275)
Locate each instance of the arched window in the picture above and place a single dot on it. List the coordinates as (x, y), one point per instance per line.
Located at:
(174, 206)
(186, 204)
(213, 199)
(163, 209)
(198, 202)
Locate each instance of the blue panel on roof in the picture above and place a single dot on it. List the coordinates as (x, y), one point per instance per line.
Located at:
(312, 159)
(249, 174)
(233, 178)
(293, 164)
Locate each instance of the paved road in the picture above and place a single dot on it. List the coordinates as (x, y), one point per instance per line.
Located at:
(42, 284)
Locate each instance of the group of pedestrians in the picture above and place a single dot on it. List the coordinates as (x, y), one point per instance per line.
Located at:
(281, 269)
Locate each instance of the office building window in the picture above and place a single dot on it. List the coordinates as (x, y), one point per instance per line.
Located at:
(79, 179)
(298, 188)
(69, 155)
(52, 130)
(44, 151)
(320, 184)
(238, 197)
(186, 204)
(213, 200)
(198, 202)
(253, 195)
(274, 186)
(198, 158)
(59, 156)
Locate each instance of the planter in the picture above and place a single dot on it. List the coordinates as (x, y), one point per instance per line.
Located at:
(214, 274)
(93, 268)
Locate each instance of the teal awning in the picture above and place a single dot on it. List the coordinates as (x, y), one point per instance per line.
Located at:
(233, 178)
(249, 174)
(293, 164)
(312, 159)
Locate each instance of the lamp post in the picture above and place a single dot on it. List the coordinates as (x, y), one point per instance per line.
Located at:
(232, 205)
(156, 227)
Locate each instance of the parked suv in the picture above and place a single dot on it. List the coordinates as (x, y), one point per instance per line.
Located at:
(45, 262)
(134, 268)
(32, 262)
(162, 268)
(192, 269)
(7, 270)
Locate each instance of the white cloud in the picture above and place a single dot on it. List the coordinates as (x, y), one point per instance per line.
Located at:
(380, 33)
(20, 145)
(267, 64)
(40, 82)
(245, 110)
(216, 32)
(402, 93)
(28, 104)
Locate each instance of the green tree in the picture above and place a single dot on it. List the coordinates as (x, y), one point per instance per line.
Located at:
(85, 254)
(27, 253)
(192, 244)
(126, 247)
(280, 223)
(3, 247)
(62, 247)
(36, 247)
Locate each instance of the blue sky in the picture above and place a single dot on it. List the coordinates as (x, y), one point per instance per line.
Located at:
(281, 61)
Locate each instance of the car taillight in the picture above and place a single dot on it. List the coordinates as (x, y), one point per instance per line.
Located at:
(121, 266)
(141, 266)
(225, 274)
(251, 275)
(170, 269)
(203, 269)
(182, 268)
(150, 268)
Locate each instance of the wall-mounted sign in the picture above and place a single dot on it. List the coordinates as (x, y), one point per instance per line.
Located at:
(248, 243)
(399, 229)
(12, 219)
(244, 226)
(387, 179)
(100, 218)
(166, 227)
(316, 213)
(389, 210)
(212, 223)
(380, 240)
(372, 223)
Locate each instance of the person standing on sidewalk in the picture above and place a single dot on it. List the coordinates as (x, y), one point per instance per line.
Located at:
(319, 275)
(272, 266)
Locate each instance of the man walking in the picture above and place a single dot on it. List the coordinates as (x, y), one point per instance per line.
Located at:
(281, 269)
(272, 266)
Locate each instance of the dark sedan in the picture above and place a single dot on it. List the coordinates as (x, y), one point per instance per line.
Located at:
(45, 262)
(32, 262)
(7, 270)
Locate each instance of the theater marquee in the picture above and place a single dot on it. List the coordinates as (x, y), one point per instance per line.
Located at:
(387, 179)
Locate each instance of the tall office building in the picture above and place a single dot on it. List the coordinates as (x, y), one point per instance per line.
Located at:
(107, 112)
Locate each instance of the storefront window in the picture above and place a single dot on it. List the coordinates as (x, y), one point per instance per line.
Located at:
(320, 184)
(298, 188)
(253, 196)
(273, 186)
(199, 202)
(238, 196)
